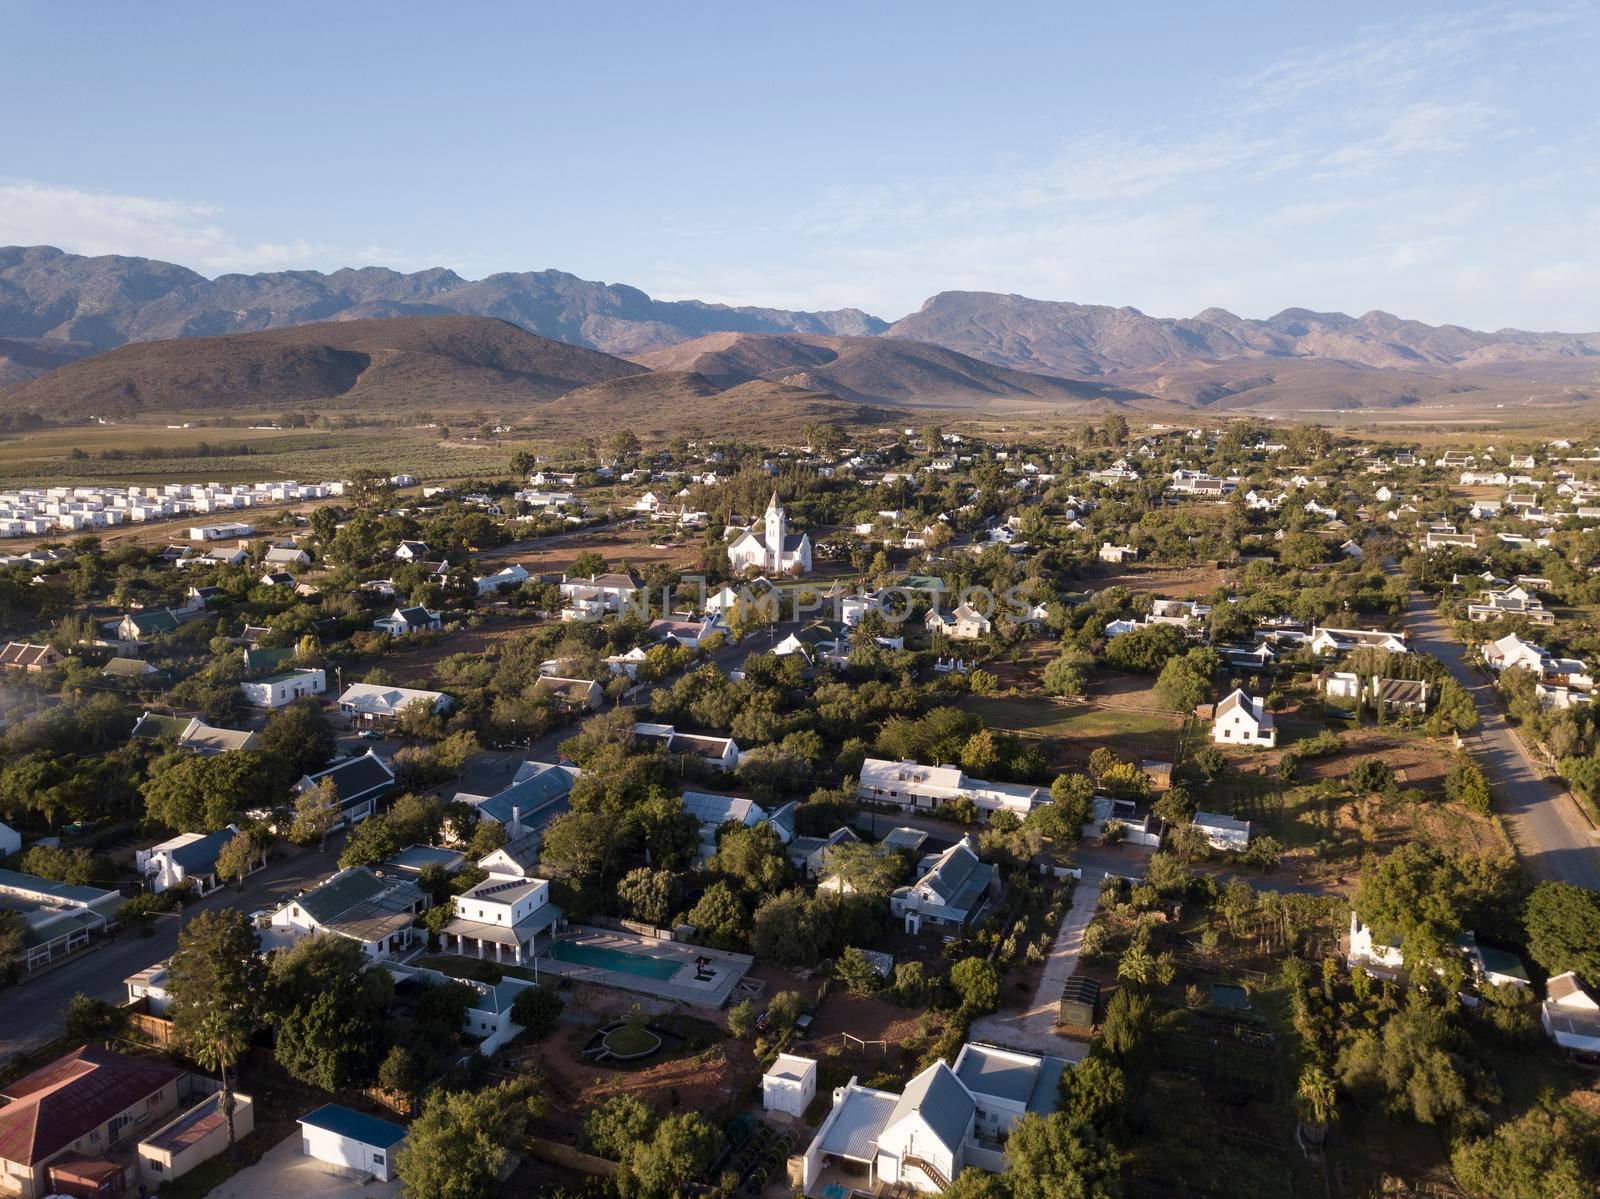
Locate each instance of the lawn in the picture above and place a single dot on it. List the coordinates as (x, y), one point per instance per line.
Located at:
(478, 970)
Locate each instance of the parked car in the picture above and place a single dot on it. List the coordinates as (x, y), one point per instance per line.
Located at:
(370, 735)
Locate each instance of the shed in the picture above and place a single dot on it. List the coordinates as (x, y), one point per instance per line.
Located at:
(86, 1177)
(789, 1085)
(350, 1139)
(194, 1137)
(1080, 996)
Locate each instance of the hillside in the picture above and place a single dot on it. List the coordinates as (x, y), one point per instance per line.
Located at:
(405, 362)
(872, 370)
(668, 403)
(111, 300)
(1093, 341)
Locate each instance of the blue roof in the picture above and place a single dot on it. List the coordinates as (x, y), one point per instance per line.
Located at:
(531, 795)
(358, 1126)
(942, 1102)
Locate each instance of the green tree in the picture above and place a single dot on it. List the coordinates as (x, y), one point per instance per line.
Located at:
(614, 1127)
(1316, 1098)
(681, 1151)
(1093, 1092)
(1406, 1065)
(372, 841)
(1563, 926)
(300, 737)
(537, 1009)
(462, 1142)
(216, 981)
(720, 918)
(316, 811)
(237, 857)
(977, 982)
(1068, 673)
(858, 973)
(1057, 1157)
(194, 794)
(329, 1010)
(1181, 687)
(1539, 1154)
(647, 895)
(786, 930)
(401, 1071)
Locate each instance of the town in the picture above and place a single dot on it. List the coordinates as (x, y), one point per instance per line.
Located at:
(1088, 808)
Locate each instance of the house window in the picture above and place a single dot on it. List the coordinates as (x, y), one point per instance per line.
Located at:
(377, 1159)
(153, 1101)
(155, 1166)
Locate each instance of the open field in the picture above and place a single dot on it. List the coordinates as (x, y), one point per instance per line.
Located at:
(1169, 582)
(46, 456)
(1073, 731)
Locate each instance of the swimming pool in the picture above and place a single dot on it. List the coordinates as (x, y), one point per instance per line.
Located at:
(604, 957)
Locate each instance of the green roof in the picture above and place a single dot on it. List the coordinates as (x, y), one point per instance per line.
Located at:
(152, 726)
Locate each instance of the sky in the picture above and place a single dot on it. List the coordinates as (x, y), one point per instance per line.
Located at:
(1436, 161)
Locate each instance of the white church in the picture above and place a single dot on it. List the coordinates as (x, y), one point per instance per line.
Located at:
(769, 547)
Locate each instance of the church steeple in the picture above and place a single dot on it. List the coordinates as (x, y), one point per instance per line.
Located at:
(776, 530)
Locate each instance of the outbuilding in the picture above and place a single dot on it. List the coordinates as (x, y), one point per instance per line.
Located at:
(789, 1085)
(350, 1139)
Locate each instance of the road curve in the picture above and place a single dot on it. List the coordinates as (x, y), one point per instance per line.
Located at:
(1553, 837)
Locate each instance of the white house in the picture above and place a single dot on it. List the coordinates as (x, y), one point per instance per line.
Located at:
(10, 840)
(912, 785)
(965, 623)
(279, 690)
(502, 918)
(770, 548)
(789, 1085)
(593, 597)
(721, 752)
(1570, 1015)
(378, 701)
(1342, 684)
(189, 858)
(1242, 719)
(351, 1140)
(945, 1120)
(714, 811)
(1338, 641)
(1512, 650)
(357, 903)
(1223, 832)
(402, 622)
(503, 579)
(952, 889)
(359, 781)
(1373, 954)
(1118, 554)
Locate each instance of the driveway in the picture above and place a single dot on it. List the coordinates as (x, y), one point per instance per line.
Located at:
(283, 1170)
(1554, 838)
(1033, 1029)
(32, 1011)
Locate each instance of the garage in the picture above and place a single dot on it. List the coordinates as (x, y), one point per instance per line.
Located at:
(351, 1141)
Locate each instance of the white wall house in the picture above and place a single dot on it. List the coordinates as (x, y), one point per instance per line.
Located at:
(502, 918)
(187, 859)
(953, 888)
(1374, 954)
(789, 1085)
(351, 1140)
(912, 785)
(1223, 832)
(1570, 1015)
(377, 701)
(357, 903)
(280, 690)
(1243, 719)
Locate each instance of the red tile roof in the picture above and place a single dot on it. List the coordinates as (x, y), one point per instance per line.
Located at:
(72, 1096)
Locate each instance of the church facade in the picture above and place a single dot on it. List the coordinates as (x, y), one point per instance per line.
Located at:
(769, 546)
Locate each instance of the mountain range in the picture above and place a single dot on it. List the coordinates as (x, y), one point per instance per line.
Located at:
(90, 326)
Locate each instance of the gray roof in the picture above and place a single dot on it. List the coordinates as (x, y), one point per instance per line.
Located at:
(200, 857)
(942, 1102)
(858, 1123)
(538, 798)
(1035, 1083)
(357, 778)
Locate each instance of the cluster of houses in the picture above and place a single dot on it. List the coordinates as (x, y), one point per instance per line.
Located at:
(1558, 682)
(33, 511)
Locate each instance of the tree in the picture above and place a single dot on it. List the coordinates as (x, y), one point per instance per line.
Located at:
(1093, 1092)
(216, 981)
(1210, 762)
(1537, 1155)
(1073, 796)
(720, 918)
(237, 858)
(316, 812)
(1181, 687)
(977, 982)
(1316, 1099)
(1175, 805)
(646, 895)
(194, 794)
(1466, 785)
(785, 930)
(1454, 712)
(625, 443)
(1406, 1065)
(1057, 1157)
(1068, 673)
(462, 1142)
(401, 1071)
(537, 1009)
(1415, 896)
(864, 869)
(1127, 1018)
(858, 974)
(300, 737)
(1146, 649)
(614, 1127)
(329, 1011)
(89, 1019)
(1563, 926)
(682, 1150)
(742, 1018)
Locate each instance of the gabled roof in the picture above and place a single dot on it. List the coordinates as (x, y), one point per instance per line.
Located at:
(73, 1096)
(26, 653)
(356, 778)
(535, 794)
(943, 1103)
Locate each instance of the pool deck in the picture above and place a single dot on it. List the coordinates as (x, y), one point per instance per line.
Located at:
(726, 969)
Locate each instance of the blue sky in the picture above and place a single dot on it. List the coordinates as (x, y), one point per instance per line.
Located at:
(1439, 162)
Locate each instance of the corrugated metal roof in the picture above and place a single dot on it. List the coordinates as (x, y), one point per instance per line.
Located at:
(358, 1126)
(938, 1097)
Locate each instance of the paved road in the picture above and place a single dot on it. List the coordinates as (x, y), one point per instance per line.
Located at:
(1551, 833)
(32, 1010)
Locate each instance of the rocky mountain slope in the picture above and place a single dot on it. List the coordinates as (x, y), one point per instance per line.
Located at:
(401, 362)
(108, 301)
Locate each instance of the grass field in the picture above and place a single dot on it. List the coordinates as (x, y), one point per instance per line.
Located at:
(30, 459)
(1075, 731)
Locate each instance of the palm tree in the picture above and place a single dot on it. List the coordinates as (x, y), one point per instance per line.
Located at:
(1317, 1099)
(1137, 966)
